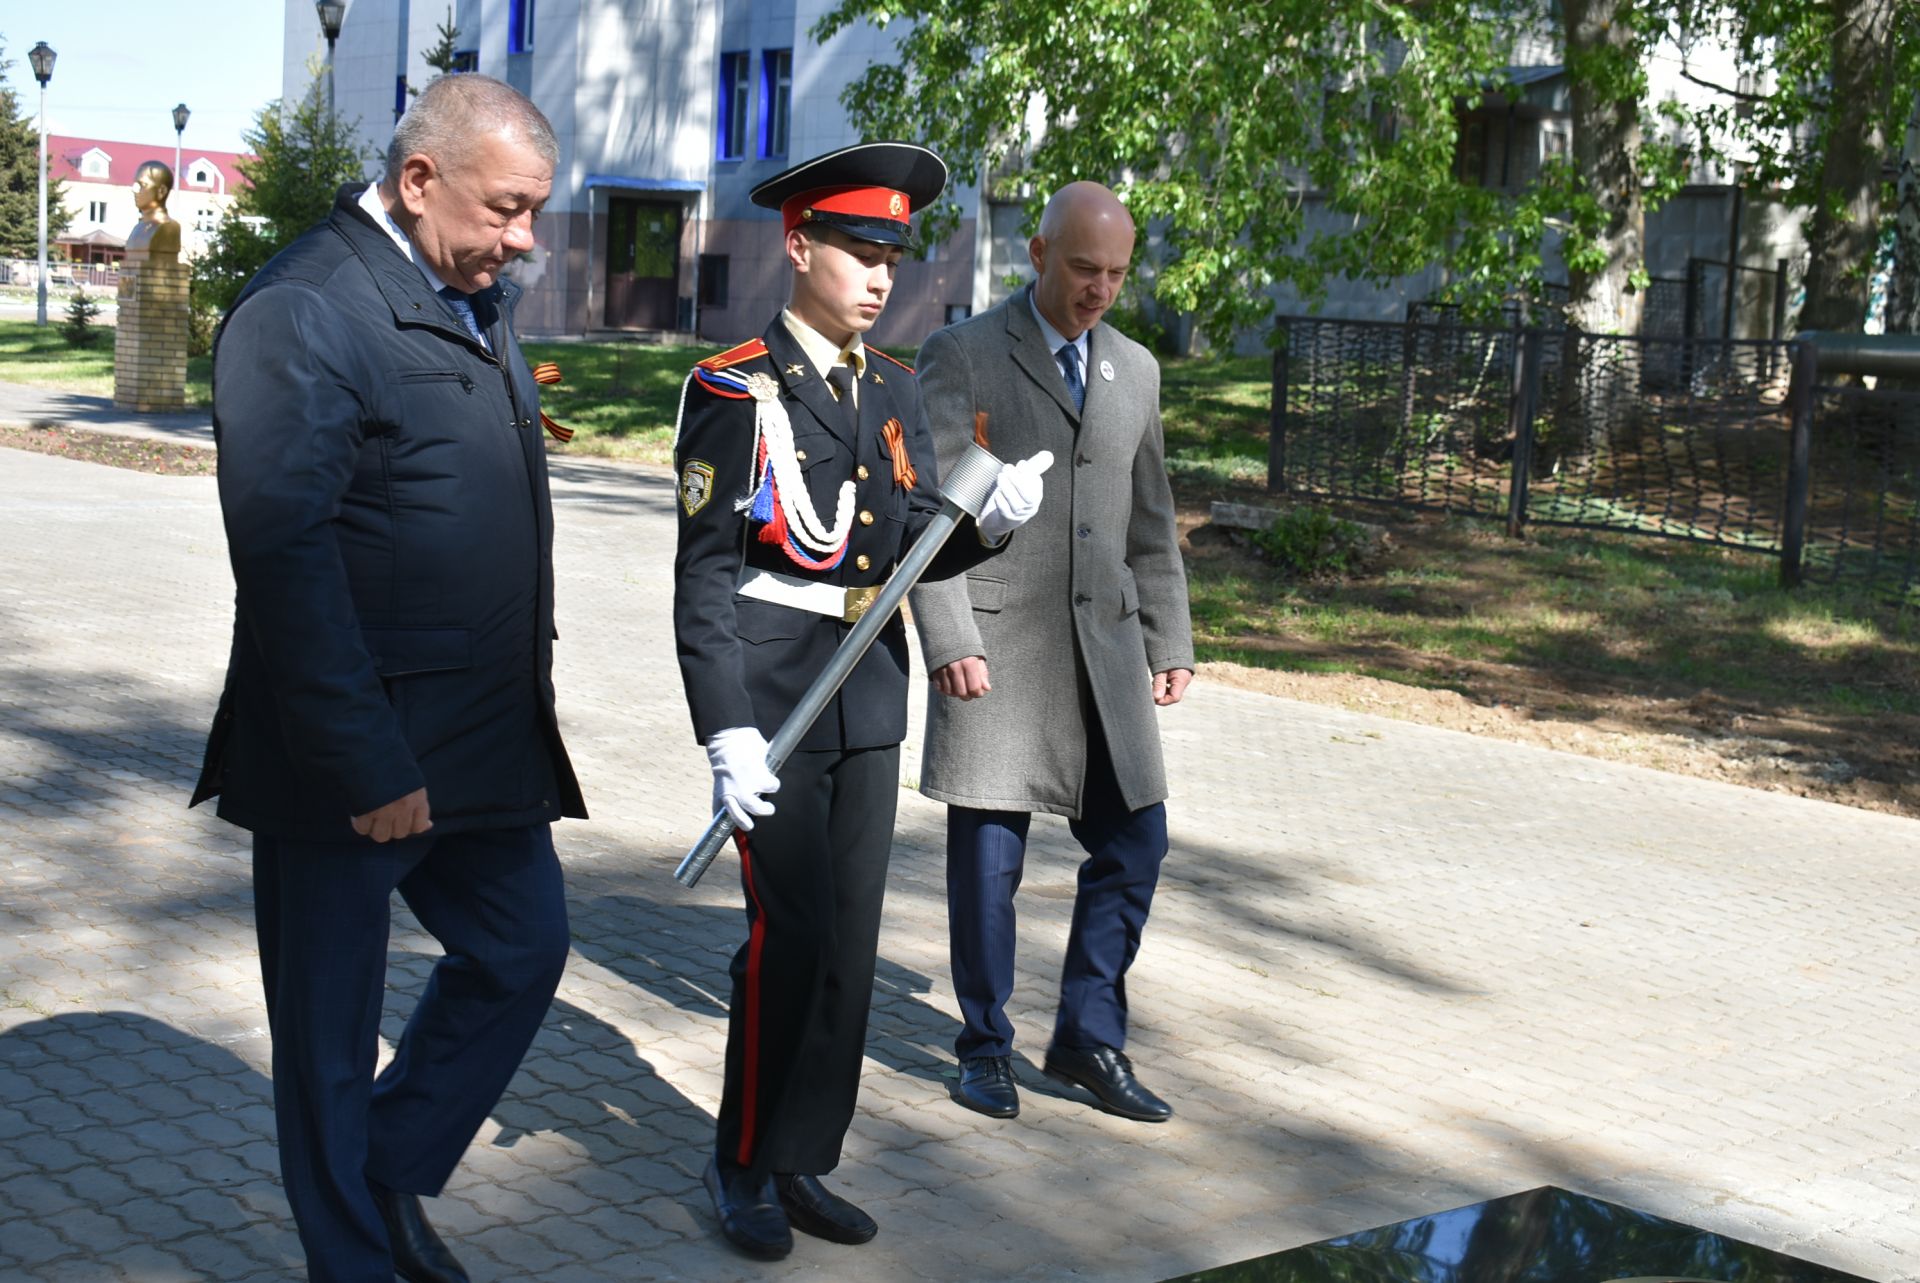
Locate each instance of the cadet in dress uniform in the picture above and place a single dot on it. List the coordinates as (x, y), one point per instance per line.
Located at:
(806, 470)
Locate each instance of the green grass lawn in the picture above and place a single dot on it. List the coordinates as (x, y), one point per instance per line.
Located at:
(620, 398)
(36, 354)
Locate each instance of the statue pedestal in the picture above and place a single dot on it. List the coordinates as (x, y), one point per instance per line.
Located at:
(150, 341)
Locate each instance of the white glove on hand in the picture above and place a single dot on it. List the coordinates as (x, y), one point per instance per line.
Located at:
(1014, 499)
(738, 756)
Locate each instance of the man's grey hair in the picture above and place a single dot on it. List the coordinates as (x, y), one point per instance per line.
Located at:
(454, 111)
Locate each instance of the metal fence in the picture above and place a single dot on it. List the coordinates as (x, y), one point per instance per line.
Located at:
(60, 274)
(1558, 427)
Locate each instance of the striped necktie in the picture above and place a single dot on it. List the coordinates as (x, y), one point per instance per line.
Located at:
(1070, 366)
(462, 305)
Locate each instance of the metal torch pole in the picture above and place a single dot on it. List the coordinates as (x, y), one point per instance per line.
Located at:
(966, 490)
(41, 314)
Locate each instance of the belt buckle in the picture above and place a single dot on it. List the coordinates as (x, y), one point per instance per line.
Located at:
(858, 601)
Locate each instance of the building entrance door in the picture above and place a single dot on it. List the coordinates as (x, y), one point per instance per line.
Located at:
(643, 264)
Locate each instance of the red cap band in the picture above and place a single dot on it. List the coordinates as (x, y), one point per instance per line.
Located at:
(862, 202)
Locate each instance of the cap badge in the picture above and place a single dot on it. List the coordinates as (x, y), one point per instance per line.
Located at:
(895, 205)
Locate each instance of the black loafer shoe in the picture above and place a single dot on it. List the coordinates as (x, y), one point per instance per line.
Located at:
(986, 1086)
(1109, 1076)
(824, 1215)
(419, 1255)
(749, 1213)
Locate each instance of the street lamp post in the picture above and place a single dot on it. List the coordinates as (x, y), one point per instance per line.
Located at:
(332, 14)
(41, 56)
(180, 115)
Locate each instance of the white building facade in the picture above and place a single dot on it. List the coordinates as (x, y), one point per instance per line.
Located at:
(667, 113)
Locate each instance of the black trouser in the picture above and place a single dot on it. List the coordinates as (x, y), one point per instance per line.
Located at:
(494, 901)
(814, 873)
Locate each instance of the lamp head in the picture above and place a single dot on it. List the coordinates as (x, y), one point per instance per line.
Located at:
(42, 56)
(332, 14)
(180, 115)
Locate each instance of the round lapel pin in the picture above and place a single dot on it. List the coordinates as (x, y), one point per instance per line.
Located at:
(1106, 370)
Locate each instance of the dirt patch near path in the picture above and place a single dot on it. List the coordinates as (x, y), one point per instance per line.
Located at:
(137, 453)
(1644, 713)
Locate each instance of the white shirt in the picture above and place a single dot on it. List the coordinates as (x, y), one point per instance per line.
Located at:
(1056, 340)
(823, 354)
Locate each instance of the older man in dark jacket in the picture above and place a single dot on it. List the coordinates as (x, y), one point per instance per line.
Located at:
(388, 720)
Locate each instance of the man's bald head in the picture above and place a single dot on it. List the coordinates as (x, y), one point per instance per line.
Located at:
(1080, 257)
(1082, 205)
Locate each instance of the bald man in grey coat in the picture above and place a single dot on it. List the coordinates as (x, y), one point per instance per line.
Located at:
(1048, 662)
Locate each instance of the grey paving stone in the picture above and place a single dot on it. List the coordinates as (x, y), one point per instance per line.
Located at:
(1406, 970)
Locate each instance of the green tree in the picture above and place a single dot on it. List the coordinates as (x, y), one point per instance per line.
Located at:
(20, 178)
(441, 56)
(301, 154)
(1829, 130)
(1216, 119)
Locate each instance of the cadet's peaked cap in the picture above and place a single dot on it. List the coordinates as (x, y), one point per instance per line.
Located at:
(868, 191)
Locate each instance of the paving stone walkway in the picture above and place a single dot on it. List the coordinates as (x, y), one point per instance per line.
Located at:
(1391, 970)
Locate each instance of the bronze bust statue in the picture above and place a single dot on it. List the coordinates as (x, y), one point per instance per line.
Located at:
(155, 232)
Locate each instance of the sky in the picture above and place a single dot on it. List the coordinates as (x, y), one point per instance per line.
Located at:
(123, 64)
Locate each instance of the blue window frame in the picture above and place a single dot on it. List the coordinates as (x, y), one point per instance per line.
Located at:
(776, 100)
(520, 26)
(734, 91)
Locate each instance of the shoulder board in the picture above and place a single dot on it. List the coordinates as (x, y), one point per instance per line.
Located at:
(883, 356)
(735, 355)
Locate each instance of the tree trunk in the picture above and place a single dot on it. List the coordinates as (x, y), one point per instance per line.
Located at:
(1606, 151)
(1903, 289)
(1844, 231)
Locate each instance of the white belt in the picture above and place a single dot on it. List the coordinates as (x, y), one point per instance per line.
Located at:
(844, 604)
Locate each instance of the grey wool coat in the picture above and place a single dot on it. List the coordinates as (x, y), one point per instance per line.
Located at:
(1089, 599)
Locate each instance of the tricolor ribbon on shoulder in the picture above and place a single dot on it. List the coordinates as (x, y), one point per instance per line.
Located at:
(548, 372)
(779, 498)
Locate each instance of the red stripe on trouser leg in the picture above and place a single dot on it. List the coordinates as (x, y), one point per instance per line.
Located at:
(750, 1023)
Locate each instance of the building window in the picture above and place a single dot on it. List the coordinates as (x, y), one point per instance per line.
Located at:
(465, 60)
(201, 177)
(94, 164)
(713, 280)
(96, 211)
(399, 97)
(957, 312)
(519, 26)
(733, 106)
(776, 100)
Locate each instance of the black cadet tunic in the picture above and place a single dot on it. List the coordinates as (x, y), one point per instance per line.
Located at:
(747, 662)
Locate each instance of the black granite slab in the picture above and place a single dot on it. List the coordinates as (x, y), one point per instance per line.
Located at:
(1544, 1235)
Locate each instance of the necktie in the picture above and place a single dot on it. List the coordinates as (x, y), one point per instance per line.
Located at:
(463, 308)
(841, 377)
(1070, 366)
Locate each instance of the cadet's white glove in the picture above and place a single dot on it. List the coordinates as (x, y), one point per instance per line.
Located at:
(1014, 499)
(738, 756)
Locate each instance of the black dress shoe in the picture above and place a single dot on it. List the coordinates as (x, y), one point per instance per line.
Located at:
(986, 1086)
(1107, 1073)
(419, 1256)
(749, 1213)
(824, 1215)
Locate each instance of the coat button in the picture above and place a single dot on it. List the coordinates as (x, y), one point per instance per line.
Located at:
(801, 455)
(1084, 531)
(862, 562)
(866, 518)
(861, 472)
